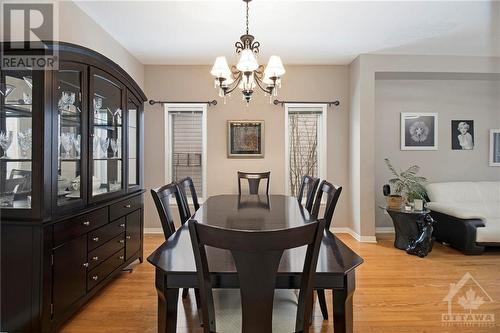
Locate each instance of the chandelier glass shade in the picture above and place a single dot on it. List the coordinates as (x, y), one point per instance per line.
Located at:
(247, 74)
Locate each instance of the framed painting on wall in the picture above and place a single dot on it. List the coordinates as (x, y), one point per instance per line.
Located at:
(245, 138)
(462, 134)
(494, 147)
(419, 131)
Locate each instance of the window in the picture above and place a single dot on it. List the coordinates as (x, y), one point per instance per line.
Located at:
(186, 144)
(305, 140)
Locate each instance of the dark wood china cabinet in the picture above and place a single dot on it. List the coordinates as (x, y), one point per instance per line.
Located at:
(71, 185)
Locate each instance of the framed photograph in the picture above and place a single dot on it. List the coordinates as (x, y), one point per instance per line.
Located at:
(462, 134)
(245, 139)
(419, 131)
(494, 147)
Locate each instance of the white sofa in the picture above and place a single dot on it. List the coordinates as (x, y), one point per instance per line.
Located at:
(467, 214)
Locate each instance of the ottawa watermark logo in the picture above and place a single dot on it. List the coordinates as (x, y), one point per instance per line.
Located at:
(465, 299)
(27, 30)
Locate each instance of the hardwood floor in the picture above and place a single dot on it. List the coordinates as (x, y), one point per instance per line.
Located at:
(395, 293)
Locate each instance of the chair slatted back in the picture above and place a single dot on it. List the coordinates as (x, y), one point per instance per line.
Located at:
(333, 194)
(183, 185)
(312, 185)
(253, 179)
(161, 197)
(257, 255)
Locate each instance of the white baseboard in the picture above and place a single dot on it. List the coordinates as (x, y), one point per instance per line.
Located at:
(153, 231)
(355, 235)
(384, 230)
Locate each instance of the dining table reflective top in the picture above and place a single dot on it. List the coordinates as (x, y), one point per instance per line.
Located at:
(252, 213)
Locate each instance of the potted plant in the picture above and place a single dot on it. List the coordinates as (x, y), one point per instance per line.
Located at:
(407, 186)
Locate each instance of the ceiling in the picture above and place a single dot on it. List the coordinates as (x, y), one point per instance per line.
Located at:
(301, 32)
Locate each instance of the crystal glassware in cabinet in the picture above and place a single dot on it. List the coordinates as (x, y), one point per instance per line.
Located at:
(107, 165)
(15, 140)
(69, 127)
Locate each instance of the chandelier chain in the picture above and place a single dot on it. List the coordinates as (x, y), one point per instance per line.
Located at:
(247, 17)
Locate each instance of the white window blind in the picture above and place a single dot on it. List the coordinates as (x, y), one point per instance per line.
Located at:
(187, 144)
(306, 142)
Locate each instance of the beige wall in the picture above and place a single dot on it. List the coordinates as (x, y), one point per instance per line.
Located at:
(363, 168)
(194, 83)
(476, 100)
(76, 27)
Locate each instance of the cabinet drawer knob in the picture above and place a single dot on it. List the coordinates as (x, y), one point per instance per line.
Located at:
(121, 257)
(95, 258)
(95, 277)
(128, 237)
(95, 239)
(86, 264)
(122, 225)
(121, 241)
(127, 206)
(86, 223)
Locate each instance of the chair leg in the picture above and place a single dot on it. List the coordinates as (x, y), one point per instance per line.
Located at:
(197, 298)
(312, 310)
(198, 305)
(322, 303)
(185, 292)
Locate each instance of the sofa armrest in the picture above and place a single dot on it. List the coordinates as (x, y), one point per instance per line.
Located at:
(459, 233)
(457, 211)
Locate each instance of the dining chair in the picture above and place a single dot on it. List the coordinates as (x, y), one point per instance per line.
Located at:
(312, 185)
(332, 197)
(254, 179)
(256, 307)
(183, 185)
(161, 197)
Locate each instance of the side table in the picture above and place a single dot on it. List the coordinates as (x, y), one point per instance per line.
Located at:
(413, 230)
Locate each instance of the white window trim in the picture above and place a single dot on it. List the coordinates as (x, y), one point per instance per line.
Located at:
(322, 157)
(184, 107)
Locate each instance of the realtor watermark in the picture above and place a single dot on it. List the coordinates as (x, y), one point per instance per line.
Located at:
(465, 299)
(27, 30)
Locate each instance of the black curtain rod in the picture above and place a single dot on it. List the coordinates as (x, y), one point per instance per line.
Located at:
(277, 102)
(210, 103)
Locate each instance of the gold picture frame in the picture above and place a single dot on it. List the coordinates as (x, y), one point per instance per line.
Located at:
(245, 138)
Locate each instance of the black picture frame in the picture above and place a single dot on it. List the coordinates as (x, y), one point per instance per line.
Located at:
(462, 134)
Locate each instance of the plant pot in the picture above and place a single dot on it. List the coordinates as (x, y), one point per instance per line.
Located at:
(394, 201)
(418, 204)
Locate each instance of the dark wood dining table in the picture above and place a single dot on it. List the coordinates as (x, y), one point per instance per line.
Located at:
(176, 269)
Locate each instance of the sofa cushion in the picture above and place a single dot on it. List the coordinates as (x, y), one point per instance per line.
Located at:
(459, 211)
(465, 192)
(489, 233)
(227, 303)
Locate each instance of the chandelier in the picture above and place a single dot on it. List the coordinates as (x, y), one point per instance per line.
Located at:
(247, 74)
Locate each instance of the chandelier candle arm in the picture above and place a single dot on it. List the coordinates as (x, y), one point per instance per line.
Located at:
(247, 74)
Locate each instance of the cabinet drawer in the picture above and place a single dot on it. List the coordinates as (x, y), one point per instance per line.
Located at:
(98, 274)
(100, 236)
(124, 207)
(103, 252)
(76, 226)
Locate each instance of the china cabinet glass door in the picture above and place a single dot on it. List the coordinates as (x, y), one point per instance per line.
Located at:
(16, 133)
(106, 134)
(133, 143)
(70, 134)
